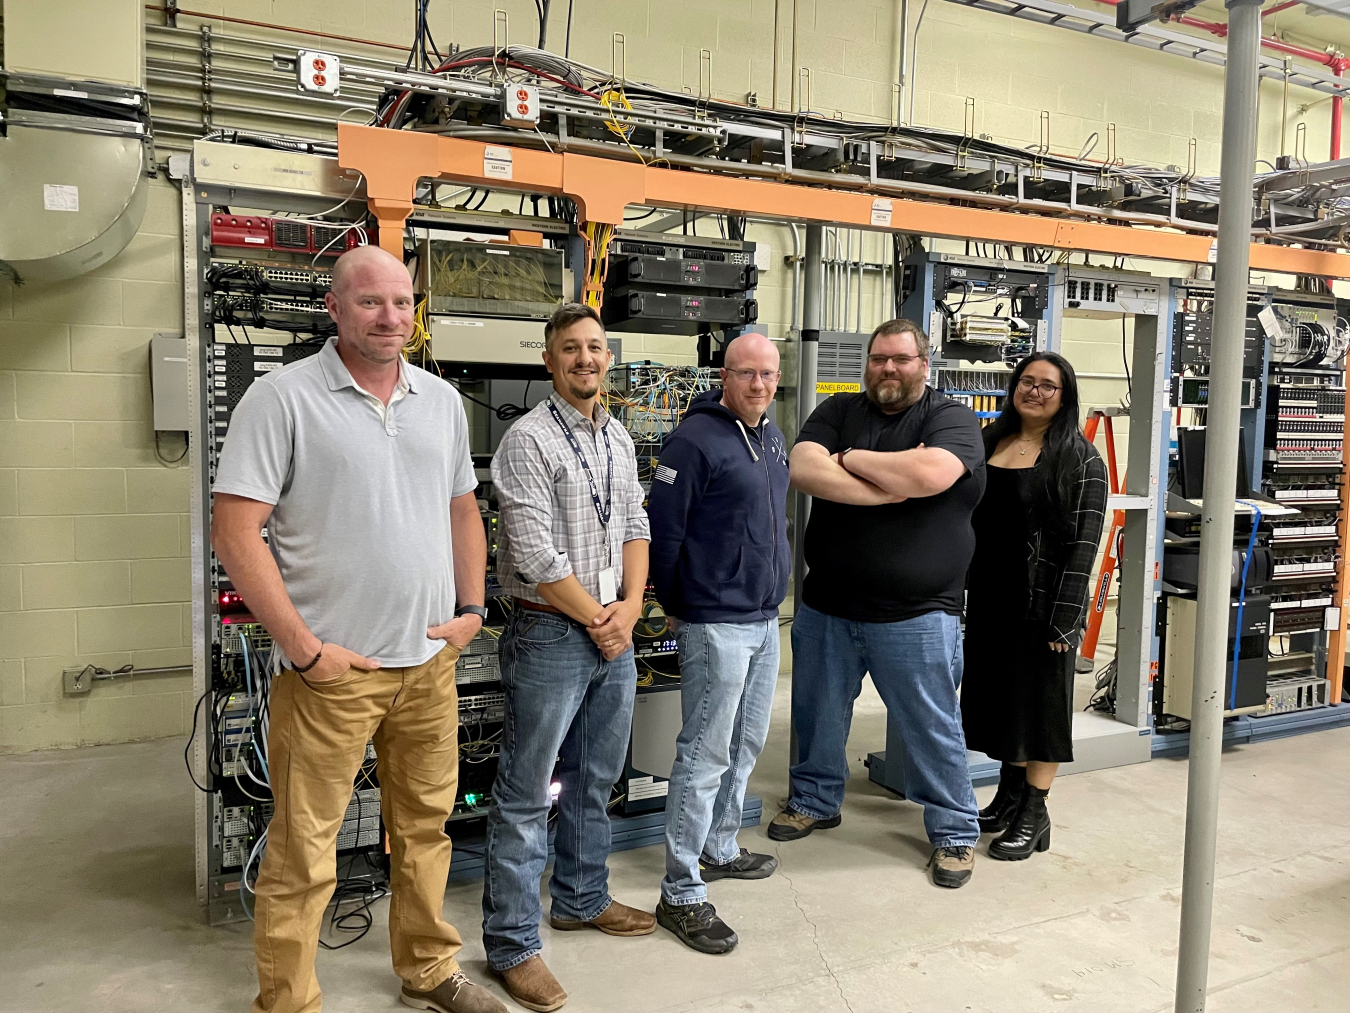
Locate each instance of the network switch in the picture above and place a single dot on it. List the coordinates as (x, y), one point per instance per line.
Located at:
(482, 708)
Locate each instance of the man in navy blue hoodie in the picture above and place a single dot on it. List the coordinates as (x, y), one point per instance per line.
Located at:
(719, 560)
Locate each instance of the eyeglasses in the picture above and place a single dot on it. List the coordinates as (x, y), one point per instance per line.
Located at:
(748, 375)
(879, 361)
(1026, 385)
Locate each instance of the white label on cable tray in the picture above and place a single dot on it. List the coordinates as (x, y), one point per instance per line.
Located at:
(1213, 256)
(881, 212)
(609, 589)
(59, 197)
(496, 162)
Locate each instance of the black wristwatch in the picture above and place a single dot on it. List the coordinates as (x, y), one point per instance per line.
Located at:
(477, 610)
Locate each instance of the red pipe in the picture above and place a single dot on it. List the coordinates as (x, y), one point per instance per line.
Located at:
(1221, 30)
(1279, 7)
(278, 28)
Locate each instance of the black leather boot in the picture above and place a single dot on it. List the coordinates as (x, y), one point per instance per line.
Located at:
(995, 817)
(1029, 830)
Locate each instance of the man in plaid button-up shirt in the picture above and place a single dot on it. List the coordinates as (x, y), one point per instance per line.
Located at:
(573, 555)
(550, 529)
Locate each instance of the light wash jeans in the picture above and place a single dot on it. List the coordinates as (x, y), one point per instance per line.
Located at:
(916, 667)
(728, 672)
(564, 703)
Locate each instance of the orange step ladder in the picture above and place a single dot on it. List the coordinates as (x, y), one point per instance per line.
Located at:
(1101, 588)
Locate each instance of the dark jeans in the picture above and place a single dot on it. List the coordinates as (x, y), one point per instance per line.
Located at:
(916, 668)
(564, 703)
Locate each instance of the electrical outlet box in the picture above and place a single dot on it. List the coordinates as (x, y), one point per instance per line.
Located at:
(520, 105)
(78, 680)
(318, 72)
(169, 383)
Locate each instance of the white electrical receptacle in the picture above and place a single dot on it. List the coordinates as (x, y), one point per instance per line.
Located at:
(520, 105)
(318, 72)
(763, 257)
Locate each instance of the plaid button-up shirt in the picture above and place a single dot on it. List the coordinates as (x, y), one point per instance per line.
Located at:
(549, 527)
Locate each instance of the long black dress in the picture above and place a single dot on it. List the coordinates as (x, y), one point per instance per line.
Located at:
(1016, 693)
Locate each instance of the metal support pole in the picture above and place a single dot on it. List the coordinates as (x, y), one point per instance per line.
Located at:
(813, 271)
(1336, 112)
(1216, 542)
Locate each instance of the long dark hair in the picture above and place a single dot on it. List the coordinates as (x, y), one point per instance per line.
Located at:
(1062, 451)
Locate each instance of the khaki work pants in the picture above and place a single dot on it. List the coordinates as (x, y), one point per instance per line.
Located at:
(317, 742)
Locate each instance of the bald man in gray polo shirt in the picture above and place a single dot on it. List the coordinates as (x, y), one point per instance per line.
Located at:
(358, 465)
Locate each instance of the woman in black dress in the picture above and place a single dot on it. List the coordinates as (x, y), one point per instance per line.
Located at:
(1036, 535)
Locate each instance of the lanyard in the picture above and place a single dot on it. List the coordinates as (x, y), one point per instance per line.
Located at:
(602, 512)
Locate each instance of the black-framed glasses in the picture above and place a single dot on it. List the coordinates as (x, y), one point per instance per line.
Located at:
(1045, 389)
(879, 361)
(748, 375)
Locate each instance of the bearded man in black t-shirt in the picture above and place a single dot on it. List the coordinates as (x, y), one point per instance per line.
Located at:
(896, 473)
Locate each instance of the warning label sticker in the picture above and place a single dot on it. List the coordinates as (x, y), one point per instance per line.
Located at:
(496, 162)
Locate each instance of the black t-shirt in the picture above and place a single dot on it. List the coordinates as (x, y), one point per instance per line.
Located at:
(884, 564)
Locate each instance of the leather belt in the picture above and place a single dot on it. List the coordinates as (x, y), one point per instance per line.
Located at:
(539, 606)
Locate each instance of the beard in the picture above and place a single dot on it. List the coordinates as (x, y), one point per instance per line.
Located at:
(894, 394)
(583, 390)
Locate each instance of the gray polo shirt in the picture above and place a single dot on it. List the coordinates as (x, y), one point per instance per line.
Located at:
(360, 526)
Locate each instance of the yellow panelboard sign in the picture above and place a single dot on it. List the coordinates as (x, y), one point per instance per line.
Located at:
(837, 387)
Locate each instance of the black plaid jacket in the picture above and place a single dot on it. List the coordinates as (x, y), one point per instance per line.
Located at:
(1060, 573)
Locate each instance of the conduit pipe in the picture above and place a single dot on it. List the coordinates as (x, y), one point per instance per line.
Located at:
(1336, 105)
(808, 346)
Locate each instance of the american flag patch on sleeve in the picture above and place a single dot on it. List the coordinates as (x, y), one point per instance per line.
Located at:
(665, 474)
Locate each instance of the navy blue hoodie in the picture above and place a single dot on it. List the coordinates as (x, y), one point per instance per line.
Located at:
(718, 508)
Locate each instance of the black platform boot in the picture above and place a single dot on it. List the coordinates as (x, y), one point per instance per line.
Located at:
(995, 817)
(1029, 830)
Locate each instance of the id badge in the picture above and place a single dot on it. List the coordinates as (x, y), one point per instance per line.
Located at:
(609, 589)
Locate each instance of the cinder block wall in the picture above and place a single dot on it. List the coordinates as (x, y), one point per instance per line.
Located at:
(93, 528)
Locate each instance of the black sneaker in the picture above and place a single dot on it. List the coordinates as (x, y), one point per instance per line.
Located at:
(746, 865)
(698, 926)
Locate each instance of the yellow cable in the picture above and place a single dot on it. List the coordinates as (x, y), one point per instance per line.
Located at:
(616, 97)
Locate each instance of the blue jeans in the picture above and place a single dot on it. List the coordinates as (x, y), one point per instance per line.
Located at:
(564, 702)
(916, 668)
(728, 672)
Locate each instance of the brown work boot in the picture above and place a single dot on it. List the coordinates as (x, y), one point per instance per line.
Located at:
(952, 866)
(615, 920)
(790, 825)
(532, 984)
(456, 994)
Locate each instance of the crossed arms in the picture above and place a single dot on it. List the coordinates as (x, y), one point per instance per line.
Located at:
(871, 477)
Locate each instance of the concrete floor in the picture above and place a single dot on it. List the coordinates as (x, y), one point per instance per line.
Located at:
(98, 908)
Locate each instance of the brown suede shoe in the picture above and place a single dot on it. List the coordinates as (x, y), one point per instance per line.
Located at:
(456, 994)
(615, 920)
(533, 986)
